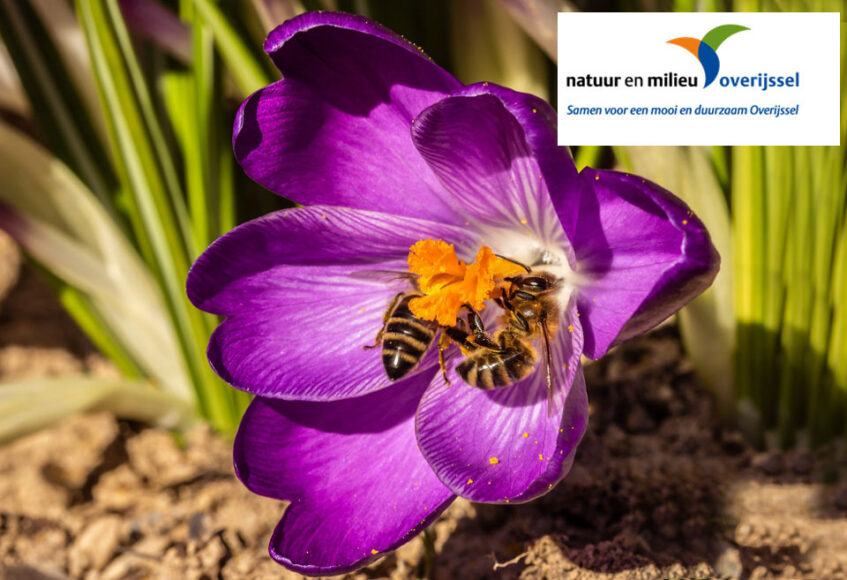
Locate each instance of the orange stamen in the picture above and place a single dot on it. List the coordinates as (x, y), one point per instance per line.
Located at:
(447, 283)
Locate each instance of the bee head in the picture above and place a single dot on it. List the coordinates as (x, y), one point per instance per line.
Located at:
(535, 283)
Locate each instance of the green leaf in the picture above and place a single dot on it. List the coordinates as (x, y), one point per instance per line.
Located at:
(27, 406)
(494, 48)
(61, 224)
(245, 69)
(64, 117)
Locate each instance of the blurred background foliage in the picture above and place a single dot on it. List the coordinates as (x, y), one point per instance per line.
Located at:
(116, 171)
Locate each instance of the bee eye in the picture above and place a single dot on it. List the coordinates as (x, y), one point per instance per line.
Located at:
(535, 283)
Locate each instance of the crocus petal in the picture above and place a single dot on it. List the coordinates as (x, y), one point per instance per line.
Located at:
(641, 254)
(357, 484)
(336, 130)
(303, 295)
(479, 144)
(502, 445)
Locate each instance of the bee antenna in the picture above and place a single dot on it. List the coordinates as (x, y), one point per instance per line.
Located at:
(524, 266)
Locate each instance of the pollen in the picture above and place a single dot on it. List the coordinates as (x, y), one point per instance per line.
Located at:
(523, 221)
(374, 551)
(685, 222)
(525, 435)
(470, 481)
(570, 327)
(448, 283)
(541, 457)
(493, 461)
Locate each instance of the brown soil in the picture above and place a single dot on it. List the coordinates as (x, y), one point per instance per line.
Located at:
(658, 490)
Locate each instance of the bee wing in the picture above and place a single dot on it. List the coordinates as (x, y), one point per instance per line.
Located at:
(382, 276)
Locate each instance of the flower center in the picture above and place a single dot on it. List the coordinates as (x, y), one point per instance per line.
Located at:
(447, 283)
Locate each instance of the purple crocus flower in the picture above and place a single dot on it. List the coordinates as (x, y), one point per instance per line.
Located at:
(384, 148)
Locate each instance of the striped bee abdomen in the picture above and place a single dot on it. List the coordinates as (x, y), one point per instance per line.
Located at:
(405, 341)
(488, 369)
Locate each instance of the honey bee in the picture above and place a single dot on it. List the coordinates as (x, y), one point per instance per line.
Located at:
(531, 312)
(404, 337)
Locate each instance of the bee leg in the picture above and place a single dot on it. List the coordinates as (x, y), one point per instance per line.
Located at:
(505, 304)
(443, 343)
(386, 317)
(480, 336)
(459, 336)
(474, 319)
(522, 322)
(525, 295)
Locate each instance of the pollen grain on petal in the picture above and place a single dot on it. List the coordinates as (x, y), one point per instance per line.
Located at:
(493, 461)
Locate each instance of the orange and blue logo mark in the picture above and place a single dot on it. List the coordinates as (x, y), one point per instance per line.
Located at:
(706, 50)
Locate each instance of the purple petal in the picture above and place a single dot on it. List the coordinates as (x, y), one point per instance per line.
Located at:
(336, 130)
(641, 253)
(302, 297)
(502, 445)
(482, 143)
(357, 484)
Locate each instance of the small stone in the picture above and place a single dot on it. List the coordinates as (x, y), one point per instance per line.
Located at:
(733, 443)
(802, 463)
(728, 563)
(95, 546)
(212, 554)
(771, 463)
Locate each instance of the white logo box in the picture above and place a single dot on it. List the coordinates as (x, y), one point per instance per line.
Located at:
(796, 56)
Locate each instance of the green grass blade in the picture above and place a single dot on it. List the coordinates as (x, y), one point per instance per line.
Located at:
(247, 71)
(58, 108)
(135, 136)
(588, 156)
(84, 312)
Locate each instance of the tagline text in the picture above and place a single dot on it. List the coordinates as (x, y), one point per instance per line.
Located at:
(753, 110)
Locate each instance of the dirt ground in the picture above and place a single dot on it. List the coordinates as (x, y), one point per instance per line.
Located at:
(658, 490)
